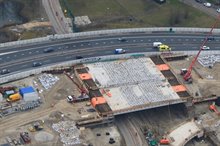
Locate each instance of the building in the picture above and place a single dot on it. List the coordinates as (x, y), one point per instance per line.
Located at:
(28, 93)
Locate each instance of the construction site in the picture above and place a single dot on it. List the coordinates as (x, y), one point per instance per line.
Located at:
(142, 99)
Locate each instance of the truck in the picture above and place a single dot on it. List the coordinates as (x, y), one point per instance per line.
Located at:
(25, 137)
(120, 51)
(14, 97)
(156, 44)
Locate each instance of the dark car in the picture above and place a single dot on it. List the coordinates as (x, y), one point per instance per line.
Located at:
(210, 38)
(79, 57)
(5, 71)
(198, 1)
(48, 50)
(91, 110)
(36, 64)
(122, 39)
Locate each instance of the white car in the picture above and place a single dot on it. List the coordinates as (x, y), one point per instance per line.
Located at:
(207, 4)
(218, 10)
(205, 48)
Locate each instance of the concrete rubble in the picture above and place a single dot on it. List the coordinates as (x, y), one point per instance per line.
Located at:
(69, 133)
(82, 20)
(209, 60)
(48, 80)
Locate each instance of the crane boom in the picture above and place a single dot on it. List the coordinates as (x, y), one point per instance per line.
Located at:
(187, 76)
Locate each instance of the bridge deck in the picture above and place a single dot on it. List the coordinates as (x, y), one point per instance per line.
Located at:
(132, 83)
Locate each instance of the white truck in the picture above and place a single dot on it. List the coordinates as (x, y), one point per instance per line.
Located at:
(119, 51)
(156, 44)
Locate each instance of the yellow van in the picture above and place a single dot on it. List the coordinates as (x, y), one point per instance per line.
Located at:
(164, 48)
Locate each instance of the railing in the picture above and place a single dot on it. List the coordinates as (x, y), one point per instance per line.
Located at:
(109, 32)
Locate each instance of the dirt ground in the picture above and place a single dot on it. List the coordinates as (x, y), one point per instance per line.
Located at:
(206, 81)
(54, 105)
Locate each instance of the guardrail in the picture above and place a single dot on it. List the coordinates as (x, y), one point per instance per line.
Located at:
(20, 75)
(109, 32)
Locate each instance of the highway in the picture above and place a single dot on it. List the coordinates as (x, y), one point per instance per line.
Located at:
(21, 58)
(56, 16)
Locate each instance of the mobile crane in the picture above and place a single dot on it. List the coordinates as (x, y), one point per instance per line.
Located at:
(186, 73)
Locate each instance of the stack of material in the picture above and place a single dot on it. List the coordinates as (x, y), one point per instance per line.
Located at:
(48, 80)
(28, 94)
(69, 133)
(208, 60)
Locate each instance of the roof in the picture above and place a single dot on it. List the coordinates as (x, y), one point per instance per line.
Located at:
(29, 89)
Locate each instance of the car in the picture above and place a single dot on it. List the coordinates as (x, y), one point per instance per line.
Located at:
(198, 1)
(218, 10)
(5, 71)
(48, 50)
(91, 110)
(210, 38)
(207, 4)
(122, 39)
(36, 64)
(205, 48)
(78, 57)
(70, 98)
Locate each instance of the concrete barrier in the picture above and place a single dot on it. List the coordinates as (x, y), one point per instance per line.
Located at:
(91, 34)
(19, 75)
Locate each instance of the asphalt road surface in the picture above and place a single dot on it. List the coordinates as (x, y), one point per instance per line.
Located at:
(56, 16)
(21, 58)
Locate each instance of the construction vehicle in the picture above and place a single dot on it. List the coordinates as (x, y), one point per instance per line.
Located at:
(14, 97)
(36, 126)
(120, 51)
(187, 76)
(164, 141)
(25, 137)
(213, 108)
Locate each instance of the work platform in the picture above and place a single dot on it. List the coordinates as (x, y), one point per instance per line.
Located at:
(133, 84)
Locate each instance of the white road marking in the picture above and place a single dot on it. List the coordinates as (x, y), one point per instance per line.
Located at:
(68, 57)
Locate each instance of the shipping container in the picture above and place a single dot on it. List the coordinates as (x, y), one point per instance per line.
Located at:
(14, 97)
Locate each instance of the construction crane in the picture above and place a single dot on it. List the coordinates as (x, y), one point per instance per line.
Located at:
(187, 72)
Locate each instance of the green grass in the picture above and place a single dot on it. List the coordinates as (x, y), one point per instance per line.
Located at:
(107, 14)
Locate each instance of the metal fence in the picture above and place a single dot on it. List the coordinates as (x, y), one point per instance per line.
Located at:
(26, 73)
(109, 32)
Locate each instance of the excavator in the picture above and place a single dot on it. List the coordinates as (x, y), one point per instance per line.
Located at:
(213, 108)
(186, 73)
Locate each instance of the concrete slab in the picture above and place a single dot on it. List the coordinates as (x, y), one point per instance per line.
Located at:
(181, 135)
(130, 83)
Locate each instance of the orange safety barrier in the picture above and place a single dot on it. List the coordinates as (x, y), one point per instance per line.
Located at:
(97, 100)
(179, 88)
(85, 76)
(162, 67)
